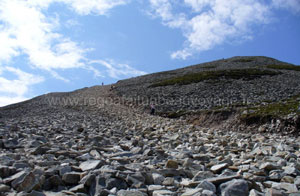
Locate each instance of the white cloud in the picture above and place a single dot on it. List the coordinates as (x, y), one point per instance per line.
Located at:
(15, 90)
(117, 70)
(163, 9)
(6, 100)
(7, 47)
(83, 7)
(213, 22)
(71, 23)
(181, 54)
(199, 5)
(293, 5)
(26, 30)
(100, 7)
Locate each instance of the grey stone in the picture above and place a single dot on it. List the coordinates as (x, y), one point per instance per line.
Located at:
(162, 193)
(294, 194)
(35, 193)
(6, 171)
(1, 143)
(291, 170)
(98, 187)
(130, 193)
(269, 166)
(172, 164)
(135, 182)
(205, 185)
(71, 178)
(78, 189)
(20, 165)
(158, 178)
(64, 169)
(276, 175)
(192, 192)
(202, 175)
(275, 192)
(26, 183)
(40, 150)
(91, 165)
(287, 187)
(115, 182)
(207, 193)
(35, 143)
(84, 157)
(234, 188)
(297, 181)
(136, 178)
(288, 179)
(228, 161)
(148, 152)
(88, 180)
(4, 188)
(53, 182)
(201, 157)
(95, 154)
(11, 143)
(168, 181)
(218, 168)
(152, 188)
(269, 184)
(169, 172)
(14, 177)
(221, 179)
(255, 193)
(6, 160)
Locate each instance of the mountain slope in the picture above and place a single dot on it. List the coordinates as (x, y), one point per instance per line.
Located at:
(238, 82)
(99, 141)
(226, 82)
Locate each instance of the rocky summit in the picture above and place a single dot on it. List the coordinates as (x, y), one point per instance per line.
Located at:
(224, 128)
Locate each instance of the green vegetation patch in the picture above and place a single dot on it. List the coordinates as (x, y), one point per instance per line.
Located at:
(284, 67)
(244, 60)
(272, 111)
(176, 114)
(215, 75)
(210, 67)
(179, 113)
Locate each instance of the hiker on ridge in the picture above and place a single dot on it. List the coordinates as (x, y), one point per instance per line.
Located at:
(152, 107)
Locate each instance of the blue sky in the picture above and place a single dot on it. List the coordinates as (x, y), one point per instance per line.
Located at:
(62, 45)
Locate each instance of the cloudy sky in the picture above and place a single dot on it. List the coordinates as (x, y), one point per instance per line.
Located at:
(62, 45)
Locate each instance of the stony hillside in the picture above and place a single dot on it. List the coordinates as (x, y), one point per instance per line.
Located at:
(256, 90)
(238, 80)
(103, 141)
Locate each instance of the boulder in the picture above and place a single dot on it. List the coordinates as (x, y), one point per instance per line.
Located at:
(130, 193)
(192, 192)
(91, 165)
(26, 183)
(205, 185)
(235, 188)
(71, 178)
(219, 168)
(172, 164)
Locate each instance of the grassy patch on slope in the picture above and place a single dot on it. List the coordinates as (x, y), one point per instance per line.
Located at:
(272, 110)
(284, 67)
(215, 75)
(210, 67)
(244, 60)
